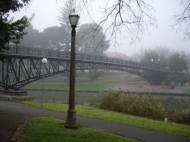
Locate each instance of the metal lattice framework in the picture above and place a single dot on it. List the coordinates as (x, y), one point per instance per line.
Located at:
(23, 65)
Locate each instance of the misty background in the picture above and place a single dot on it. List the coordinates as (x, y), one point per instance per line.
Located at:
(47, 13)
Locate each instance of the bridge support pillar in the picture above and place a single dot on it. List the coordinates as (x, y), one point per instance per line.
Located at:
(10, 95)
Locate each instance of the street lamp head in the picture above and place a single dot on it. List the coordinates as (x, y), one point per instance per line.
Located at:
(73, 18)
(44, 61)
(152, 60)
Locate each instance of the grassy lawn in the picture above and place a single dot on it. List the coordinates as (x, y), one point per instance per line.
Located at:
(62, 97)
(171, 128)
(61, 86)
(52, 130)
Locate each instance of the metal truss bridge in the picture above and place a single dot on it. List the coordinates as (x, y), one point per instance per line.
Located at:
(23, 65)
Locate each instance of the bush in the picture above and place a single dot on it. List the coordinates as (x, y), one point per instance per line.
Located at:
(131, 104)
(136, 104)
(94, 74)
(179, 116)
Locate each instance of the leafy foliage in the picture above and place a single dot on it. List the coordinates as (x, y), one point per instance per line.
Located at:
(9, 30)
(132, 104)
(141, 106)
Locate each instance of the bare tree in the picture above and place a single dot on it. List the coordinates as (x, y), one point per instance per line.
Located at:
(183, 18)
(131, 16)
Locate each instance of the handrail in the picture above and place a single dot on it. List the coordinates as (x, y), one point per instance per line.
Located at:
(35, 51)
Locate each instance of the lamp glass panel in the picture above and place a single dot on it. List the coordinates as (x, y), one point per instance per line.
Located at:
(73, 20)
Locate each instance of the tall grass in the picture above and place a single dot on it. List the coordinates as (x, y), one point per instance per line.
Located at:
(141, 106)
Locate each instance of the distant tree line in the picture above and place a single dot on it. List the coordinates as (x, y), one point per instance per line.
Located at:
(138, 20)
(58, 38)
(177, 61)
(90, 37)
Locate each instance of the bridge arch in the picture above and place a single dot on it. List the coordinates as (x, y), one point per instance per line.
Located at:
(25, 67)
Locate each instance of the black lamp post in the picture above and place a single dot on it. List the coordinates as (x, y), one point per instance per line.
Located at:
(71, 113)
(16, 60)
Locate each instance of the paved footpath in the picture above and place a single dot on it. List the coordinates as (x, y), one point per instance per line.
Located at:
(12, 114)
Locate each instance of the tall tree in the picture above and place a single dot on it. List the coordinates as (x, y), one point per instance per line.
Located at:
(91, 39)
(51, 38)
(30, 39)
(9, 30)
(151, 56)
(177, 61)
(65, 24)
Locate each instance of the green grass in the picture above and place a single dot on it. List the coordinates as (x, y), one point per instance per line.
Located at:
(61, 86)
(52, 130)
(188, 92)
(62, 97)
(171, 128)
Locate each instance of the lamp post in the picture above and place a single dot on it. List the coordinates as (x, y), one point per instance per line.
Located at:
(71, 113)
(17, 32)
(44, 61)
(16, 60)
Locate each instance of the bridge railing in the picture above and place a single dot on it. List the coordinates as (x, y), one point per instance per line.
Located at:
(34, 51)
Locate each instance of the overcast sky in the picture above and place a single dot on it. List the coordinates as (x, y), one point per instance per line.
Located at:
(47, 11)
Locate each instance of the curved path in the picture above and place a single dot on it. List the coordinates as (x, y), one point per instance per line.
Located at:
(12, 114)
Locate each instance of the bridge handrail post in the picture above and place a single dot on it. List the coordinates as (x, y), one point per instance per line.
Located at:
(49, 53)
(58, 54)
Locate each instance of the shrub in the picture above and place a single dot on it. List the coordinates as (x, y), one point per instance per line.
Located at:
(178, 115)
(136, 104)
(131, 104)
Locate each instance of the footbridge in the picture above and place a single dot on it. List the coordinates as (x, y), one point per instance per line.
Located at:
(23, 65)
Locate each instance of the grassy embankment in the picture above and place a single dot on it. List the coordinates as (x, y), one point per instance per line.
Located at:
(171, 128)
(83, 82)
(52, 130)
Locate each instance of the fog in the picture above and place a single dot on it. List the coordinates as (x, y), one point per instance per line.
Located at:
(46, 13)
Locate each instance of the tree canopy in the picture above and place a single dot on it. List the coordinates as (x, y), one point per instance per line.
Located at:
(31, 38)
(163, 57)
(91, 39)
(177, 61)
(11, 30)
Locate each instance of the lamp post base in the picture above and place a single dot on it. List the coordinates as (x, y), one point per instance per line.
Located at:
(71, 119)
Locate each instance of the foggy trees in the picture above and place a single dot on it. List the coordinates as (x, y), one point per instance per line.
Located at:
(177, 61)
(51, 38)
(91, 39)
(158, 56)
(9, 30)
(30, 39)
(163, 57)
(65, 24)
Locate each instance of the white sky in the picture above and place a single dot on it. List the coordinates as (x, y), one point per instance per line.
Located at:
(47, 11)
